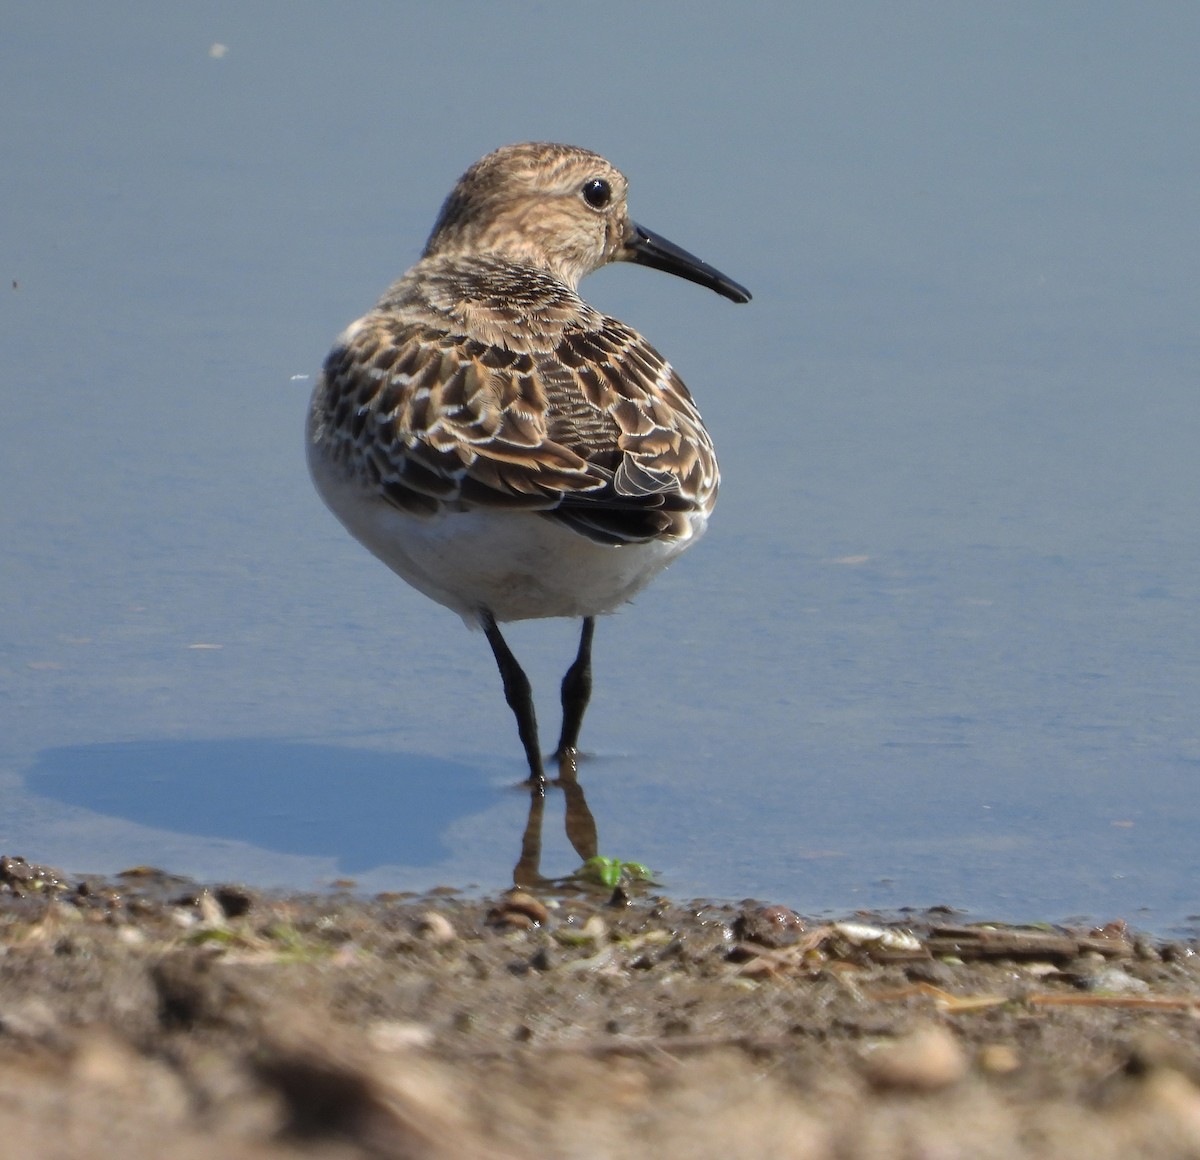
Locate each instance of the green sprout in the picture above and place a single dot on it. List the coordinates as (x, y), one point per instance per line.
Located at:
(612, 872)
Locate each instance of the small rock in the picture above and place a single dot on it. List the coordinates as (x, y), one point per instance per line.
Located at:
(769, 926)
(15, 871)
(998, 1059)
(18, 876)
(436, 928)
(235, 901)
(394, 1035)
(1114, 981)
(925, 1060)
(519, 911)
(595, 928)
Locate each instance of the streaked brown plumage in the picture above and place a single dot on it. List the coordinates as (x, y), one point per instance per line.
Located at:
(502, 445)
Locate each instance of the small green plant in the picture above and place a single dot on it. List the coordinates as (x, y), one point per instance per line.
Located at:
(612, 872)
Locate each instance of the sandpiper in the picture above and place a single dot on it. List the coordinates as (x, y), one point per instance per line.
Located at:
(504, 447)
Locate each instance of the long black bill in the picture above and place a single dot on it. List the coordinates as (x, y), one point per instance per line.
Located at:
(649, 249)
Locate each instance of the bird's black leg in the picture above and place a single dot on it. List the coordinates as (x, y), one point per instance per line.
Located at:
(576, 692)
(519, 695)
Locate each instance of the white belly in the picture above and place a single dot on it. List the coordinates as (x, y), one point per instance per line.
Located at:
(519, 565)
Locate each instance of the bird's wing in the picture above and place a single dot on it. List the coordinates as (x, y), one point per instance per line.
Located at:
(620, 405)
(599, 432)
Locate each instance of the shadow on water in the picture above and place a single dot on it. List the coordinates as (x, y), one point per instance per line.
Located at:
(365, 808)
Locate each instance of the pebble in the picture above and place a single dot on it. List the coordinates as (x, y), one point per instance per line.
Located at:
(436, 928)
(1114, 981)
(519, 910)
(235, 901)
(395, 1035)
(769, 926)
(927, 1059)
(999, 1059)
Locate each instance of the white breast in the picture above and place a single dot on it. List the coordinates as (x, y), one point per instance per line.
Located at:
(519, 565)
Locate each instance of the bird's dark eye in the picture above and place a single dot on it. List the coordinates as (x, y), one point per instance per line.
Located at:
(597, 192)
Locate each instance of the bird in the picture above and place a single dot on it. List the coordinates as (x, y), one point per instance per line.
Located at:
(503, 446)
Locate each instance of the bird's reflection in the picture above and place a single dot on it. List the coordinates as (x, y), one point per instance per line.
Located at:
(580, 825)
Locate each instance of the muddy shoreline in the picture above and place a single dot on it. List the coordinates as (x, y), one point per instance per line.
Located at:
(146, 1015)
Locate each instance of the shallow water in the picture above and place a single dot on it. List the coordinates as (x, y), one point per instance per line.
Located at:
(941, 643)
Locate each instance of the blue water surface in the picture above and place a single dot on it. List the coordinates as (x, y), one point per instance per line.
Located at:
(941, 644)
